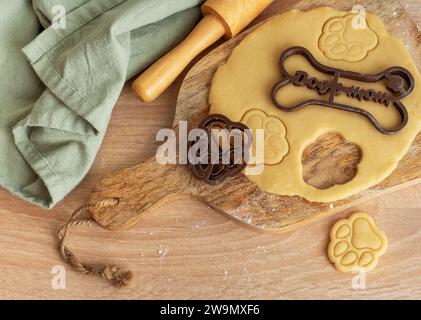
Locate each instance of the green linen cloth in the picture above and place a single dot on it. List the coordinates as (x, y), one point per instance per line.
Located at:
(58, 86)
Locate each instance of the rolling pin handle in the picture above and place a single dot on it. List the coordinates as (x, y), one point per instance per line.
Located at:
(160, 75)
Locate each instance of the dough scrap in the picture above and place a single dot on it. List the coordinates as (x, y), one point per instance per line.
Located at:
(356, 243)
(247, 78)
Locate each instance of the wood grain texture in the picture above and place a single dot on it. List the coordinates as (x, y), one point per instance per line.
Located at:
(330, 160)
(141, 189)
(187, 250)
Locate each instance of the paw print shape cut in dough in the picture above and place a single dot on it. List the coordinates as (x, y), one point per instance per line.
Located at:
(276, 144)
(342, 41)
(356, 243)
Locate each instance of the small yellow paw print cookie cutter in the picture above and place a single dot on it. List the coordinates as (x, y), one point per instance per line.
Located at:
(276, 144)
(356, 243)
(340, 40)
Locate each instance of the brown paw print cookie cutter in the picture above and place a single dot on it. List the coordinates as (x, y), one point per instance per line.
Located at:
(399, 84)
(215, 172)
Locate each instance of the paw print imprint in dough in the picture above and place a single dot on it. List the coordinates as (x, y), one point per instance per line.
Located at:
(276, 144)
(341, 41)
(356, 243)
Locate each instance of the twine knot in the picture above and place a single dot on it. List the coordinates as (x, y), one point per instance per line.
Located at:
(118, 277)
(111, 273)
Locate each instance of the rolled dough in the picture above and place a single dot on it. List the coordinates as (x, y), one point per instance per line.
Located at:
(244, 84)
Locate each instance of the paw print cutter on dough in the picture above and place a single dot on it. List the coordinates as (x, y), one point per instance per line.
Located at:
(399, 83)
(341, 41)
(276, 144)
(216, 173)
(356, 243)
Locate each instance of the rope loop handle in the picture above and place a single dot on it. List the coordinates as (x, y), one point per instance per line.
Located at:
(111, 273)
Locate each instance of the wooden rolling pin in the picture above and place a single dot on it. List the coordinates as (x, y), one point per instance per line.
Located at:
(221, 17)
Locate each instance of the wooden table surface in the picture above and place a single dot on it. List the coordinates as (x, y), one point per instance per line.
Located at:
(185, 250)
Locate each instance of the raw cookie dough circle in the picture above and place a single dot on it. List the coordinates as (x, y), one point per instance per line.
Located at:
(247, 78)
(356, 243)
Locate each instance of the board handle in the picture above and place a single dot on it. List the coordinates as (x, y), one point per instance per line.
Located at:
(147, 186)
(138, 190)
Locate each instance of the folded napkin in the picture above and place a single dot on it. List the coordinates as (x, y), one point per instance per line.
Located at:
(58, 86)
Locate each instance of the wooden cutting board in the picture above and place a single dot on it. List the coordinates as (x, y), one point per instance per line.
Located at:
(145, 187)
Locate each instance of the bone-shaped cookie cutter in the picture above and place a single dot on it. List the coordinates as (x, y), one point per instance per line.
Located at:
(399, 82)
